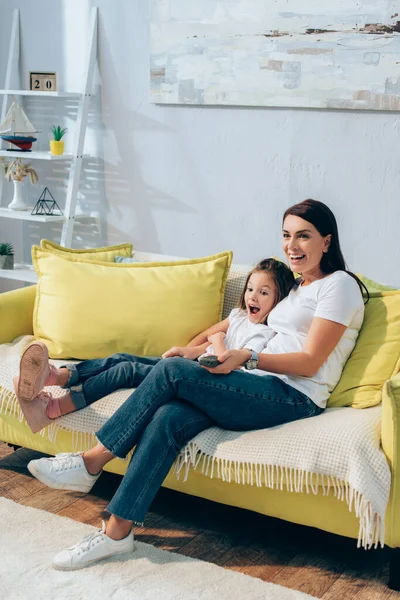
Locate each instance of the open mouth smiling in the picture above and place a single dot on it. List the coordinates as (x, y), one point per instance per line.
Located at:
(253, 309)
(296, 257)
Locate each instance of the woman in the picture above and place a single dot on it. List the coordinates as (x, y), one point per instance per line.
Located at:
(316, 326)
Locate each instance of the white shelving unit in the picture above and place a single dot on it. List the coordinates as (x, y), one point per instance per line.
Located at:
(25, 272)
(75, 95)
(41, 155)
(6, 213)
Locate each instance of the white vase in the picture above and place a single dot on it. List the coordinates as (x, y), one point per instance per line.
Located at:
(18, 202)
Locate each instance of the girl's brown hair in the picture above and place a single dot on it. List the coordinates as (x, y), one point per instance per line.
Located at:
(281, 275)
(323, 219)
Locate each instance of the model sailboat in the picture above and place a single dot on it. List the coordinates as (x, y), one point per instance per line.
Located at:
(17, 128)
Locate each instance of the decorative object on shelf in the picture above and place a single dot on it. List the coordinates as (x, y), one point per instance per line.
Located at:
(6, 256)
(43, 81)
(16, 171)
(57, 145)
(45, 205)
(17, 129)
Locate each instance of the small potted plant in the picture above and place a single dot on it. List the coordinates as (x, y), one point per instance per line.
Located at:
(6, 256)
(57, 144)
(16, 171)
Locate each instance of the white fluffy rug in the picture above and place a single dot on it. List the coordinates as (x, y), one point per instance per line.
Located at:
(29, 538)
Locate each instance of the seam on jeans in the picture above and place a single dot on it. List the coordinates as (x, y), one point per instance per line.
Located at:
(139, 418)
(145, 488)
(159, 462)
(243, 392)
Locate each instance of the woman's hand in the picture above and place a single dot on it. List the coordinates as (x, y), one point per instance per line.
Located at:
(183, 351)
(230, 360)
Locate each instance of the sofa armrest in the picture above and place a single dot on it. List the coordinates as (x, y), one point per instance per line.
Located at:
(391, 447)
(16, 313)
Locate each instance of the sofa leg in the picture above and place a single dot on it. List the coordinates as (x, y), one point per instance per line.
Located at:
(394, 569)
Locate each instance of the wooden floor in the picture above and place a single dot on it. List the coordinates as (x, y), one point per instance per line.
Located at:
(318, 563)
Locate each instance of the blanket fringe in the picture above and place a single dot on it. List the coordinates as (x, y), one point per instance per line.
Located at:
(80, 440)
(371, 525)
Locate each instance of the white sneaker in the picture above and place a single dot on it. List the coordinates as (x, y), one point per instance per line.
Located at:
(66, 471)
(92, 548)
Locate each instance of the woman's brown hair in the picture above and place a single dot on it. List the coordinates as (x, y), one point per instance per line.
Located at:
(323, 219)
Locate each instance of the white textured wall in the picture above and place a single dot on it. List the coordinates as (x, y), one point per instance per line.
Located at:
(192, 181)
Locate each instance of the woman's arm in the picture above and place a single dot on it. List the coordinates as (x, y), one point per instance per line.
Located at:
(202, 337)
(321, 340)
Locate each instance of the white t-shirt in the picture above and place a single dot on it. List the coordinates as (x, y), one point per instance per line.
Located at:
(337, 298)
(242, 333)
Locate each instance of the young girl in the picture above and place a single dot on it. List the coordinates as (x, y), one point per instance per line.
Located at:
(268, 283)
(246, 327)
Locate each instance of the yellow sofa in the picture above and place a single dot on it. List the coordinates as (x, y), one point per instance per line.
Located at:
(325, 512)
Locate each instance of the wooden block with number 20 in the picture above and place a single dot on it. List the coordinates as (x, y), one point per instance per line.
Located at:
(43, 82)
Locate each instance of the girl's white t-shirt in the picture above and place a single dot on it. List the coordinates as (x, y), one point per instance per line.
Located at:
(337, 298)
(242, 333)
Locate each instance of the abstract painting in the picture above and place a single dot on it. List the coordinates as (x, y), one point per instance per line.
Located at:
(295, 53)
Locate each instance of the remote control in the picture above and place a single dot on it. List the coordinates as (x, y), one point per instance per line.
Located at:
(210, 361)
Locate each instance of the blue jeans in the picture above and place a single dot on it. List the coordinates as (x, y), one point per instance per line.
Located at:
(177, 399)
(91, 380)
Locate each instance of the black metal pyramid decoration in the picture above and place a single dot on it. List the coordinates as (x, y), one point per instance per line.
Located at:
(45, 205)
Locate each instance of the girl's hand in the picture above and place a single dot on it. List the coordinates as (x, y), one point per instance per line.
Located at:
(183, 351)
(216, 337)
(230, 360)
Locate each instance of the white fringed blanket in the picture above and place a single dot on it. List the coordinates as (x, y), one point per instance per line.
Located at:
(338, 450)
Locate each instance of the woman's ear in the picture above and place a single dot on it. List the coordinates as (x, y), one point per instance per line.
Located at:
(327, 242)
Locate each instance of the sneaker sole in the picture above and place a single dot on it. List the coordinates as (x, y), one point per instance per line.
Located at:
(55, 485)
(90, 562)
(33, 371)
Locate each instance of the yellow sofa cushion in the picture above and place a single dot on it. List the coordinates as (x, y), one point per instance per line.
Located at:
(373, 286)
(376, 356)
(88, 309)
(106, 254)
